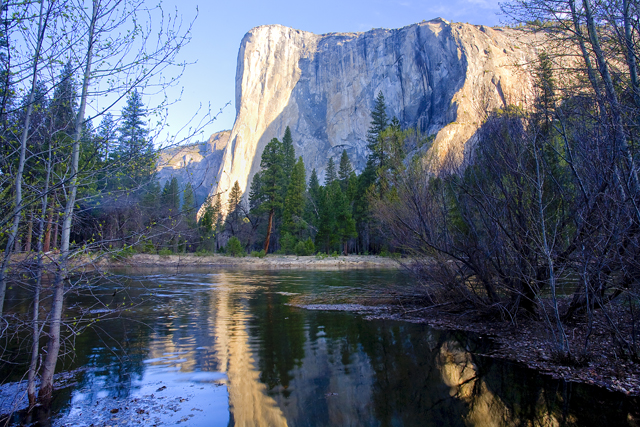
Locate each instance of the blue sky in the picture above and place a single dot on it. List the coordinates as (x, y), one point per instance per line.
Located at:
(220, 26)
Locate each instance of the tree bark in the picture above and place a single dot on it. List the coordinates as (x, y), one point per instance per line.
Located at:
(13, 233)
(269, 227)
(27, 245)
(53, 346)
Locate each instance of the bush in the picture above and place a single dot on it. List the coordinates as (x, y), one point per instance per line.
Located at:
(234, 247)
(305, 248)
(287, 244)
(165, 252)
(125, 252)
(258, 254)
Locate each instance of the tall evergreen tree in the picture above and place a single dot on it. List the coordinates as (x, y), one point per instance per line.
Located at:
(312, 203)
(269, 197)
(288, 153)
(189, 204)
(170, 196)
(64, 103)
(345, 171)
(379, 122)
(331, 174)
(233, 208)
(292, 221)
(135, 150)
(107, 134)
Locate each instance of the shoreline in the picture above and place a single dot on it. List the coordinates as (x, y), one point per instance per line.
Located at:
(269, 262)
(525, 344)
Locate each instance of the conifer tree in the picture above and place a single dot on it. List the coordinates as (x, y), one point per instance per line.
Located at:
(311, 212)
(269, 196)
(345, 171)
(189, 204)
(331, 174)
(233, 208)
(170, 196)
(135, 150)
(345, 226)
(379, 122)
(288, 153)
(295, 202)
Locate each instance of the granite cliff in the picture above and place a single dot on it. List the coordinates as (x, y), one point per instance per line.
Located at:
(197, 164)
(437, 76)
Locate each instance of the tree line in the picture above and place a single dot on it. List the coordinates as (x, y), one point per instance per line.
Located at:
(288, 214)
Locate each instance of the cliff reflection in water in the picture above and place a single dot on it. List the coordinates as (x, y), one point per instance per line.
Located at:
(226, 349)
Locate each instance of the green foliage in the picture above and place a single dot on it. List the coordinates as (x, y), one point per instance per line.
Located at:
(292, 217)
(165, 252)
(258, 254)
(233, 208)
(305, 248)
(345, 171)
(331, 174)
(124, 253)
(287, 243)
(234, 247)
(170, 198)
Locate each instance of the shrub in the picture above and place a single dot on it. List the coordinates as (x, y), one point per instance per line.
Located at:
(287, 244)
(258, 254)
(305, 248)
(234, 247)
(165, 252)
(125, 252)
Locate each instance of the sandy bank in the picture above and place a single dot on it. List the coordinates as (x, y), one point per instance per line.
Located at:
(266, 263)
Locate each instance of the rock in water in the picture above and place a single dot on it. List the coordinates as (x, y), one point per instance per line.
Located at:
(437, 76)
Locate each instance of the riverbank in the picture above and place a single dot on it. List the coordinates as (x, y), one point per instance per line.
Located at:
(254, 263)
(527, 343)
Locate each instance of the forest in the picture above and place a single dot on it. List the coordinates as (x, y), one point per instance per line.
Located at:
(541, 220)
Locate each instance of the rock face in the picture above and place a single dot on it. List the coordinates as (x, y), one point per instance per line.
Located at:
(197, 164)
(436, 76)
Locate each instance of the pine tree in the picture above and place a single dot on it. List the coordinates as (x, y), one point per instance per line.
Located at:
(107, 134)
(379, 122)
(64, 103)
(345, 171)
(170, 196)
(233, 208)
(292, 221)
(311, 212)
(288, 152)
(345, 226)
(269, 195)
(189, 205)
(331, 174)
(135, 150)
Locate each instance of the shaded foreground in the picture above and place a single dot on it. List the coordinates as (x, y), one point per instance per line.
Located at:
(528, 341)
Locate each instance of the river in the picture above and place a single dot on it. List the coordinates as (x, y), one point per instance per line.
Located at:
(224, 348)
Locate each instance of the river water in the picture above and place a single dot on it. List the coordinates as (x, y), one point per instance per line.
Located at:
(224, 348)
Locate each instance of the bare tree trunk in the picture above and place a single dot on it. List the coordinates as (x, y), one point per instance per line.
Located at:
(53, 346)
(56, 231)
(269, 227)
(36, 328)
(13, 233)
(47, 234)
(27, 246)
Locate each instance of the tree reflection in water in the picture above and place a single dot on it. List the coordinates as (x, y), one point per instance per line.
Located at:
(225, 349)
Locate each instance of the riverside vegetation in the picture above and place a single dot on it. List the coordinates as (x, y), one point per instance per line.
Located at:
(540, 223)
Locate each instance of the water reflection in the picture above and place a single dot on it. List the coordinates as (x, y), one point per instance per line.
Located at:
(225, 349)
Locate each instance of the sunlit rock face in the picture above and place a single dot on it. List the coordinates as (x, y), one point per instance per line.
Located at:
(437, 76)
(197, 164)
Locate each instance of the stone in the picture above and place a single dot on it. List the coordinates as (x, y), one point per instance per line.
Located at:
(436, 76)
